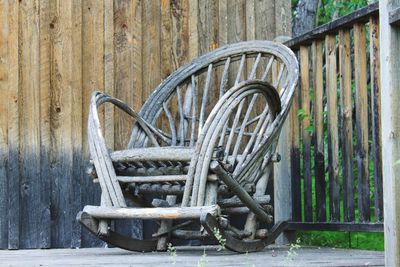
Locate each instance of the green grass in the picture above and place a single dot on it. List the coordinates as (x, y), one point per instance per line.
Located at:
(368, 241)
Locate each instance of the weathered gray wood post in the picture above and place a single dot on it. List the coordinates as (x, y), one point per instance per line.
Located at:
(282, 179)
(390, 98)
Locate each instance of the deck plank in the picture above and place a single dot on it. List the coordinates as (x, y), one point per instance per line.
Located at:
(190, 256)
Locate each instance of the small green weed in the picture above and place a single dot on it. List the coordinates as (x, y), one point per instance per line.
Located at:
(172, 253)
(221, 240)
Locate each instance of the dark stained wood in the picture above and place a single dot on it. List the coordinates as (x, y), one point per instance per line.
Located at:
(295, 158)
(13, 139)
(361, 99)
(305, 131)
(347, 124)
(61, 123)
(333, 137)
(319, 156)
(336, 226)
(375, 117)
(31, 207)
(361, 15)
(394, 17)
(77, 123)
(4, 88)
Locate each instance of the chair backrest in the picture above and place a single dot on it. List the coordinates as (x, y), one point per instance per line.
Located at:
(181, 104)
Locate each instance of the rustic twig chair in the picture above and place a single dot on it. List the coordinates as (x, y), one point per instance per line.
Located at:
(202, 148)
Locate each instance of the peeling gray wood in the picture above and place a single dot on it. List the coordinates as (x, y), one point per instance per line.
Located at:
(274, 256)
(390, 99)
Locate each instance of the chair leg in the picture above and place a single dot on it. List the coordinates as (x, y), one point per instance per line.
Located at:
(165, 224)
(251, 221)
(103, 224)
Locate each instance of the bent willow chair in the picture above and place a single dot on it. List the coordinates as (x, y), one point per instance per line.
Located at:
(200, 154)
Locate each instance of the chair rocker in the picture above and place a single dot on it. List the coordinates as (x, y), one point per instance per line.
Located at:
(200, 154)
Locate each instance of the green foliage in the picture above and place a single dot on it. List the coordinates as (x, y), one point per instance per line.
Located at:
(221, 240)
(292, 252)
(329, 8)
(172, 253)
(369, 241)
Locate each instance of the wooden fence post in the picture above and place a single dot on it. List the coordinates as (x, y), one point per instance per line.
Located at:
(390, 99)
(282, 179)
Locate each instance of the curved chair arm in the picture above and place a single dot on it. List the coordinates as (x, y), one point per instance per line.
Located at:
(111, 191)
(99, 98)
(207, 140)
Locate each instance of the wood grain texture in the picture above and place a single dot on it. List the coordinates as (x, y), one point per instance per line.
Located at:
(61, 122)
(92, 78)
(77, 123)
(305, 131)
(151, 50)
(347, 123)
(390, 97)
(4, 83)
(361, 99)
(30, 124)
(45, 134)
(109, 88)
(319, 147)
(127, 64)
(13, 127)
(333, 137)
(55, 53)
(295, 157)
(375, 65)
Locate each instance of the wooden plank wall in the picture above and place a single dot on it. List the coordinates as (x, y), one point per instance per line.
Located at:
(53, 54)
(338, 113)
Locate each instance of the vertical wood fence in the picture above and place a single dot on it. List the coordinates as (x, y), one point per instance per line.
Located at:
(336, 157)
(53, 54)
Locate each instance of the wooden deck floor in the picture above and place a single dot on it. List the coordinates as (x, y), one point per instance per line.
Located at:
(191, 256)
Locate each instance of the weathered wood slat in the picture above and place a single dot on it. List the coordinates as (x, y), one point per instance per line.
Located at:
(153, 154)
(45, 136)
(151, 213)
(109, 88)
(4, 148)
(90, 80)
(361, 99)
(13, 138)
(152, 179)
(151, 50)
(205, 98)
(319, 155)
(77, 123)
(305, 131)
(390, 97)
(29, 124)
(376, 116)
(347, 123)
(333, 138)
(295, 157)
(127, 61)
(236, 202)
(193, 88)
(165, 225)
